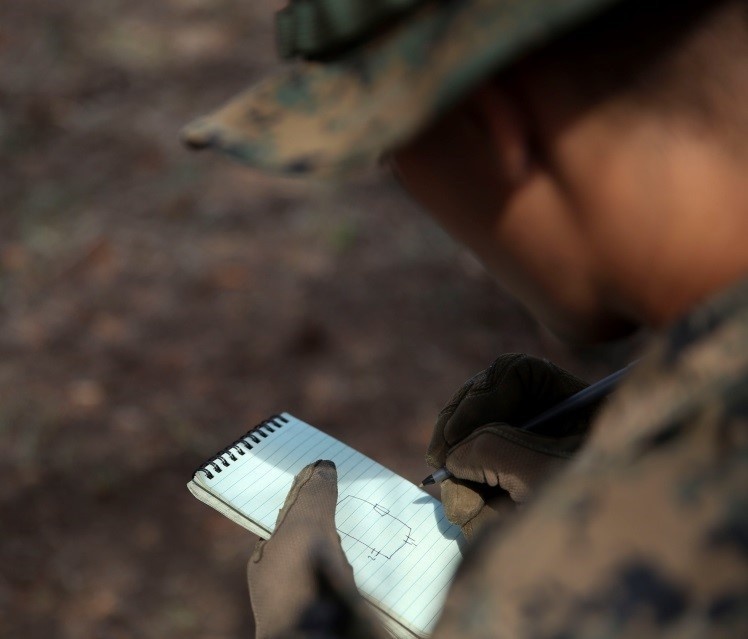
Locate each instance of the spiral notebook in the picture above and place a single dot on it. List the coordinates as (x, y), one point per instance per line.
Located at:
(396, 537)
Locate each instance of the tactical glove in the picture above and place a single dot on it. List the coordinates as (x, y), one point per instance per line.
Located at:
(300, 582)
(495, 464)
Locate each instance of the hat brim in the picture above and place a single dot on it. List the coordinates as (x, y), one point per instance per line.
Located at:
(322, 119)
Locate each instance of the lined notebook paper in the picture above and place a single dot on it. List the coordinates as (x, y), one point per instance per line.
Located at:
(402, 548)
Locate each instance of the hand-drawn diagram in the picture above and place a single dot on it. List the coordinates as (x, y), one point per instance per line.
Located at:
(373, 526)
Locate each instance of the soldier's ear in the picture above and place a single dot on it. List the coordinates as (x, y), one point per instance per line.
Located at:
(506, 127)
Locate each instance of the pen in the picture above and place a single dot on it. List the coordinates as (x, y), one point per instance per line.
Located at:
(583, 398)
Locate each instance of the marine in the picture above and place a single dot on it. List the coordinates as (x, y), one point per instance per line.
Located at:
(592, 153)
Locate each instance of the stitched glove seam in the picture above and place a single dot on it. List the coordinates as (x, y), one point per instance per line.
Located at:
(484, 391)
(285, 510)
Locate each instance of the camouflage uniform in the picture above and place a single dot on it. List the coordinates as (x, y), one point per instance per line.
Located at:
(646, 532)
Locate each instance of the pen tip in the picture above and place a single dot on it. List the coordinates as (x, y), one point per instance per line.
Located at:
(420, 485)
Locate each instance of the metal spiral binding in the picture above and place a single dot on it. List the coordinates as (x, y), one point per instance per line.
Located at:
(250, 439)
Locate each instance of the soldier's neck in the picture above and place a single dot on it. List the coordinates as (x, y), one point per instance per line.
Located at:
(689, 241)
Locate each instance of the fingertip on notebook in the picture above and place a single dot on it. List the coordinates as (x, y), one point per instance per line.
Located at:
(393, 537)
(325, 463)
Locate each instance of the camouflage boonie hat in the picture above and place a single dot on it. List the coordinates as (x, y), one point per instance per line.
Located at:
(371, 74)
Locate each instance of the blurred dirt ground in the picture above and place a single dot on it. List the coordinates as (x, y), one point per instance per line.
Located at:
(155, 303)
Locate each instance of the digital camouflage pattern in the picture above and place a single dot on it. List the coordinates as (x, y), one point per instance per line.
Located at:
(645, 533)
(330, 118)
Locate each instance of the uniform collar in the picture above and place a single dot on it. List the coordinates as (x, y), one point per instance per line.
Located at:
(697, 365)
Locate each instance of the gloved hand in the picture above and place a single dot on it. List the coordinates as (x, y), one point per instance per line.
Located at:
(495, 465)
(300, 582)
